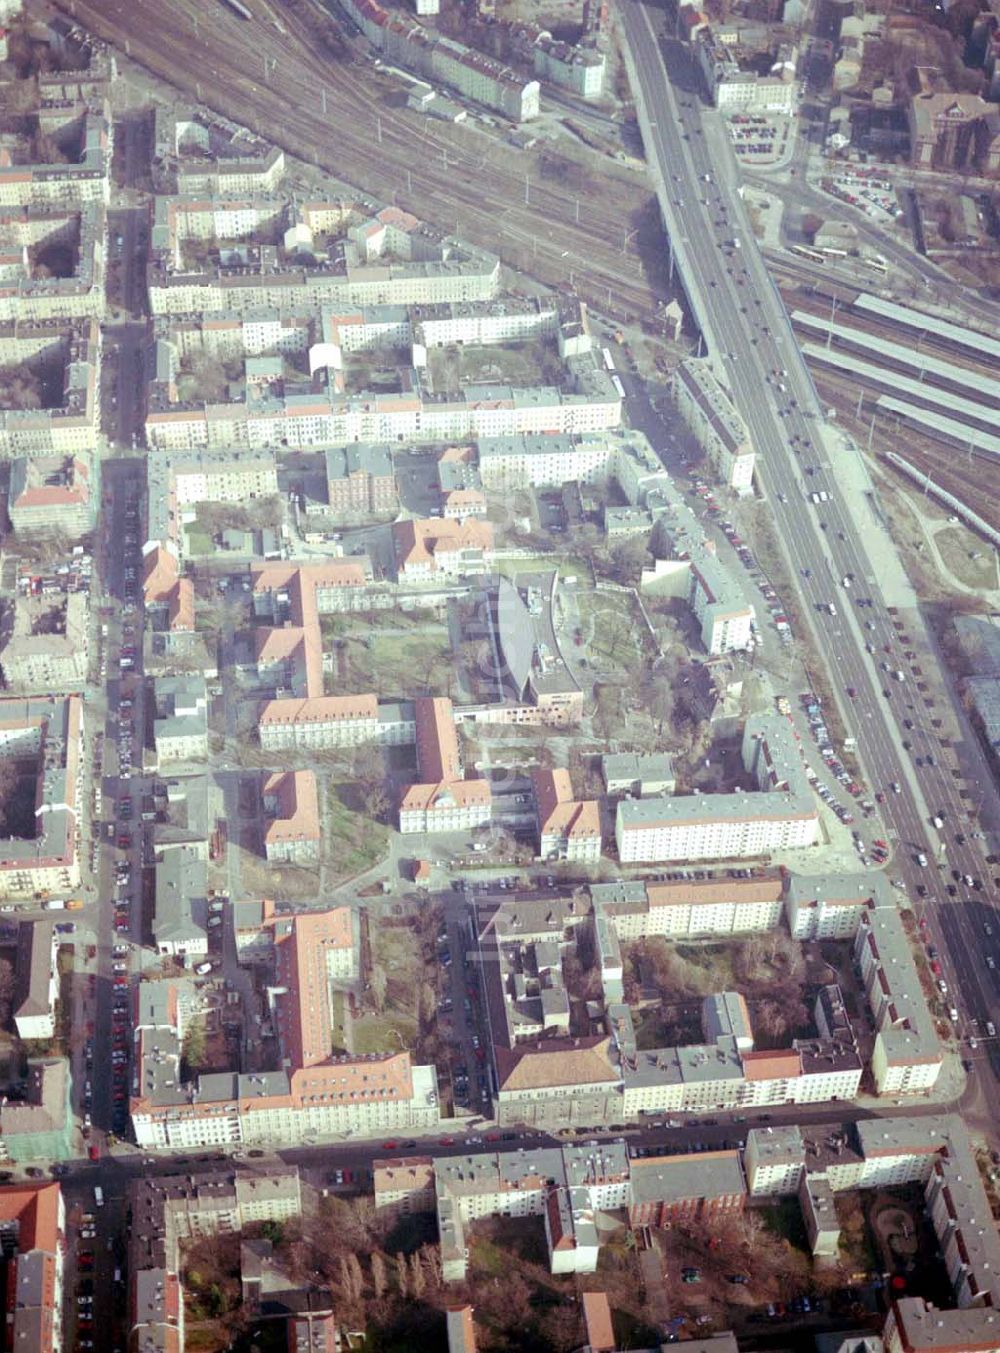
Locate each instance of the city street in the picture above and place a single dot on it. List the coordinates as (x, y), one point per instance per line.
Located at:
(733, 295)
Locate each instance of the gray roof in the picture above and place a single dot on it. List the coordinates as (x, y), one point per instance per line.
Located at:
(33, 970)
(674, 1179)
(181, 908)
(516, 633)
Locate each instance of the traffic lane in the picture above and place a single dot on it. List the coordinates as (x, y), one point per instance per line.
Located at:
(885, 732)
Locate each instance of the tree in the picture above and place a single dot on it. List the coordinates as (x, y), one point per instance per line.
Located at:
(378, 983)
(428, 1004)
(418, 1278)
(380, 1278)
(403, 1275)
(356, 1276)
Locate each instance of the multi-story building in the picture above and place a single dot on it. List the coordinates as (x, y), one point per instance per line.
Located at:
(433, 545)
(167, 1210)
(180, 915)
(51, 493)
(419, 266)
(907, 1055)
(70, 115)
(361, 481)
(40, 1124)
(291, 652)
(47, 646)
(954, 131)
(335, 721)
(532, 669)
(830, 906)
(176, 484)
(180, 725)
(714, 420)
(442, 800)
(638, 777)
(36, 981)
(48, 730)
(197, 159)
(664, 1189)
(33, 1229)
(291, 804)
(735, 90)
(568, 828)
(70, 426)
(441, 59)
(79, 234)
(781, 815)
(680, 908)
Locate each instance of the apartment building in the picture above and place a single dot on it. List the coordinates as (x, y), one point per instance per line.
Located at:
(291, 805)
(49, 730)
(638, 776)
(335, 721)
(440, 59)
(714, 420)
(85, 179)
(36, 981)
(830, 906)
(360, 480)
(680, 908)
(180, 724)
(483, 323)
(316, 1091)
(27, 232)
(51, 493)
(40, 1125)
(198, 159)
(33, 1228)
(686, 1188)
(176, 484)
(291, 652)
(781, 815)
(71, 426)
(734, 90)
(47, 646)
(398, 261)
(313, 953)
(442, 800)
(434, 545)
(568, 828)
(460, 486)
(907, 1055)
(180, 907)
(167, 1210)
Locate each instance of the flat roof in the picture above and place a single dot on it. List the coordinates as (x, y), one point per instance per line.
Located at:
(951, 428)
(909, 318)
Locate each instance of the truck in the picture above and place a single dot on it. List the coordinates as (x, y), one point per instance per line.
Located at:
(55, 904)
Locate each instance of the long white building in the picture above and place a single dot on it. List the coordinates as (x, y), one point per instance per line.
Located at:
(782, 815)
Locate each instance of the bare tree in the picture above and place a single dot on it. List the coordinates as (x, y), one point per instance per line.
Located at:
(380, 1278)
(379, 983)
(403, 1275)
(418, 1278)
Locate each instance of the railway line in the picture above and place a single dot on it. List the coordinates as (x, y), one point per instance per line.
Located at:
(327, 113)
(959, 474)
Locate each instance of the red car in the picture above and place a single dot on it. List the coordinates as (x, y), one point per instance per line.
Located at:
(94, 1152)
(936, 968)
(390, 1146)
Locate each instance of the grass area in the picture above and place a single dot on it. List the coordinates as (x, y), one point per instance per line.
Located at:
(383, 1033)
(353, 842)
(531, 364)
(393, 664)
(338, 1019)
(957, 547)
(612, 634)
(396, 950)
(565, 567)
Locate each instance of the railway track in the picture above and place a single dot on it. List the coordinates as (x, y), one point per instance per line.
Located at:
(975, 480)
(460, 182)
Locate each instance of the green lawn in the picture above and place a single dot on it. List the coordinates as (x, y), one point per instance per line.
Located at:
(353, 841)
(394, 665)
(377, 1033)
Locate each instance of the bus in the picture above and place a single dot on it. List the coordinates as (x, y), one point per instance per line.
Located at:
(609, 361)
(98, 1195)
(813, 255)
(832, 253)
(616, 382)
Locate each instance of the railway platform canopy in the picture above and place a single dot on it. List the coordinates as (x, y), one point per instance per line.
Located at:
(908, 318)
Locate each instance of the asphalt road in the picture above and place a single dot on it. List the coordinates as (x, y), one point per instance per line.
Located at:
(687, 148)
